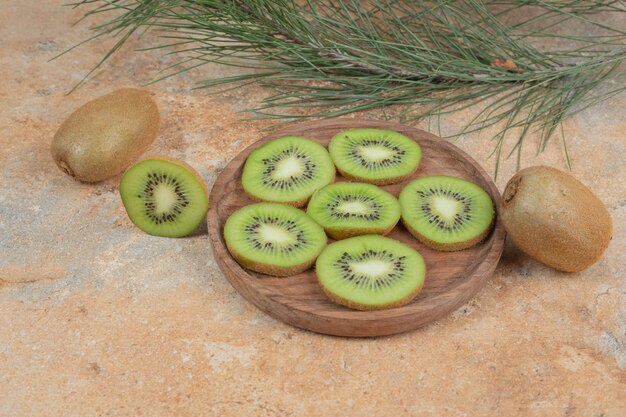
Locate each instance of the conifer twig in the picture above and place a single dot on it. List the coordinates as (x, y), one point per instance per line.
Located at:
(418, 58)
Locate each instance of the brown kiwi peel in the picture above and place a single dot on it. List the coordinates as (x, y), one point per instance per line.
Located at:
(555, 219)
(106, 135)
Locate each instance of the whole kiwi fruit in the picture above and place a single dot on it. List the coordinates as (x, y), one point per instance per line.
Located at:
(555, 219)
(104, 136)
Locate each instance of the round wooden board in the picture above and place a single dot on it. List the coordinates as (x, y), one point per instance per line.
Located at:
(452, 278)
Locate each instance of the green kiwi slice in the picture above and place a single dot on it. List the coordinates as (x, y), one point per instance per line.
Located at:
(273, 239)
(446, 213)
(376, 156)
(164, 197)
(370, 272)
(287, 170)
(347, 209)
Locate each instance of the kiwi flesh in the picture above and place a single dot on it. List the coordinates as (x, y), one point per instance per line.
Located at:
(347, 209)
(106, 135)
(287, 170)
(164, 196)
(370, 272)
(446, 213)
(555, 219)
(376, 156)
(273, 239)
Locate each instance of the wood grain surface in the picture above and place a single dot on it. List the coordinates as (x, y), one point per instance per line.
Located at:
(452, 278)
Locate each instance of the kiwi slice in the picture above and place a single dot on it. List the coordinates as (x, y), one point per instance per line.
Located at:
(273, 239)
(376, 156)
(287, 170)
(164, 197)
(446, 213)
(347, 209)
(370, 272)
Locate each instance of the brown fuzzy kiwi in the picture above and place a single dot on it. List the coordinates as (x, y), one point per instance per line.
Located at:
(555, 219)
(104, 136)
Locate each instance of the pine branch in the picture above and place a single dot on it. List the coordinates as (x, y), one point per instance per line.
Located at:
(424, 58)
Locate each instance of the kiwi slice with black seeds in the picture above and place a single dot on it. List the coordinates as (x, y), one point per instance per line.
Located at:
(376, 156)
(370, 272)
(287, 170)
(164, 196)
(347, 209)
(273, 239)
(446, 213)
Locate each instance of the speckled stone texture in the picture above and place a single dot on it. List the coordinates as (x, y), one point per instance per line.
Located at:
(100, 319)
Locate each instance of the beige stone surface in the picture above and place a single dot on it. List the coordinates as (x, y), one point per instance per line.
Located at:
(100, 319)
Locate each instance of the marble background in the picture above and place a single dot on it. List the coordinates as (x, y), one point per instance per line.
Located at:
(100, 319)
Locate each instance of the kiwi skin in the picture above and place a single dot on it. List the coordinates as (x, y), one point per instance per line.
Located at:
(555, 219)
(340, 233)
(298, 203)
(380, 181)
(449, 247)
(364, 307)
(267, 269)
(104, 136)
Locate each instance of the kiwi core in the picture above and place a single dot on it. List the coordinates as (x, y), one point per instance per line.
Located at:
(372, 267)
(376, 153)
(164, 198)
(288, 167)
(353, 207)
(446, 207)
(275, 234)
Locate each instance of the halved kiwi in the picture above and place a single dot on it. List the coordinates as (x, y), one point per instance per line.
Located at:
(287, 170)
(347, 209)
(370, 272)
(376, 156)
(446, 213)
(164, 196)
(273, 239)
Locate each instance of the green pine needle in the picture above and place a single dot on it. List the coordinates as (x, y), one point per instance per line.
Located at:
(414, 59)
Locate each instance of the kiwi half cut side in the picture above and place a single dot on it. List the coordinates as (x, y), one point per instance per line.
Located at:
(347, 209)
(446, 213)
(287, 170)
(274, 239)
(370, 272)
(376, 156)
(164, 196)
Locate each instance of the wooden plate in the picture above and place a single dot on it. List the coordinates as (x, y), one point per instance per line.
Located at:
(452, 278)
